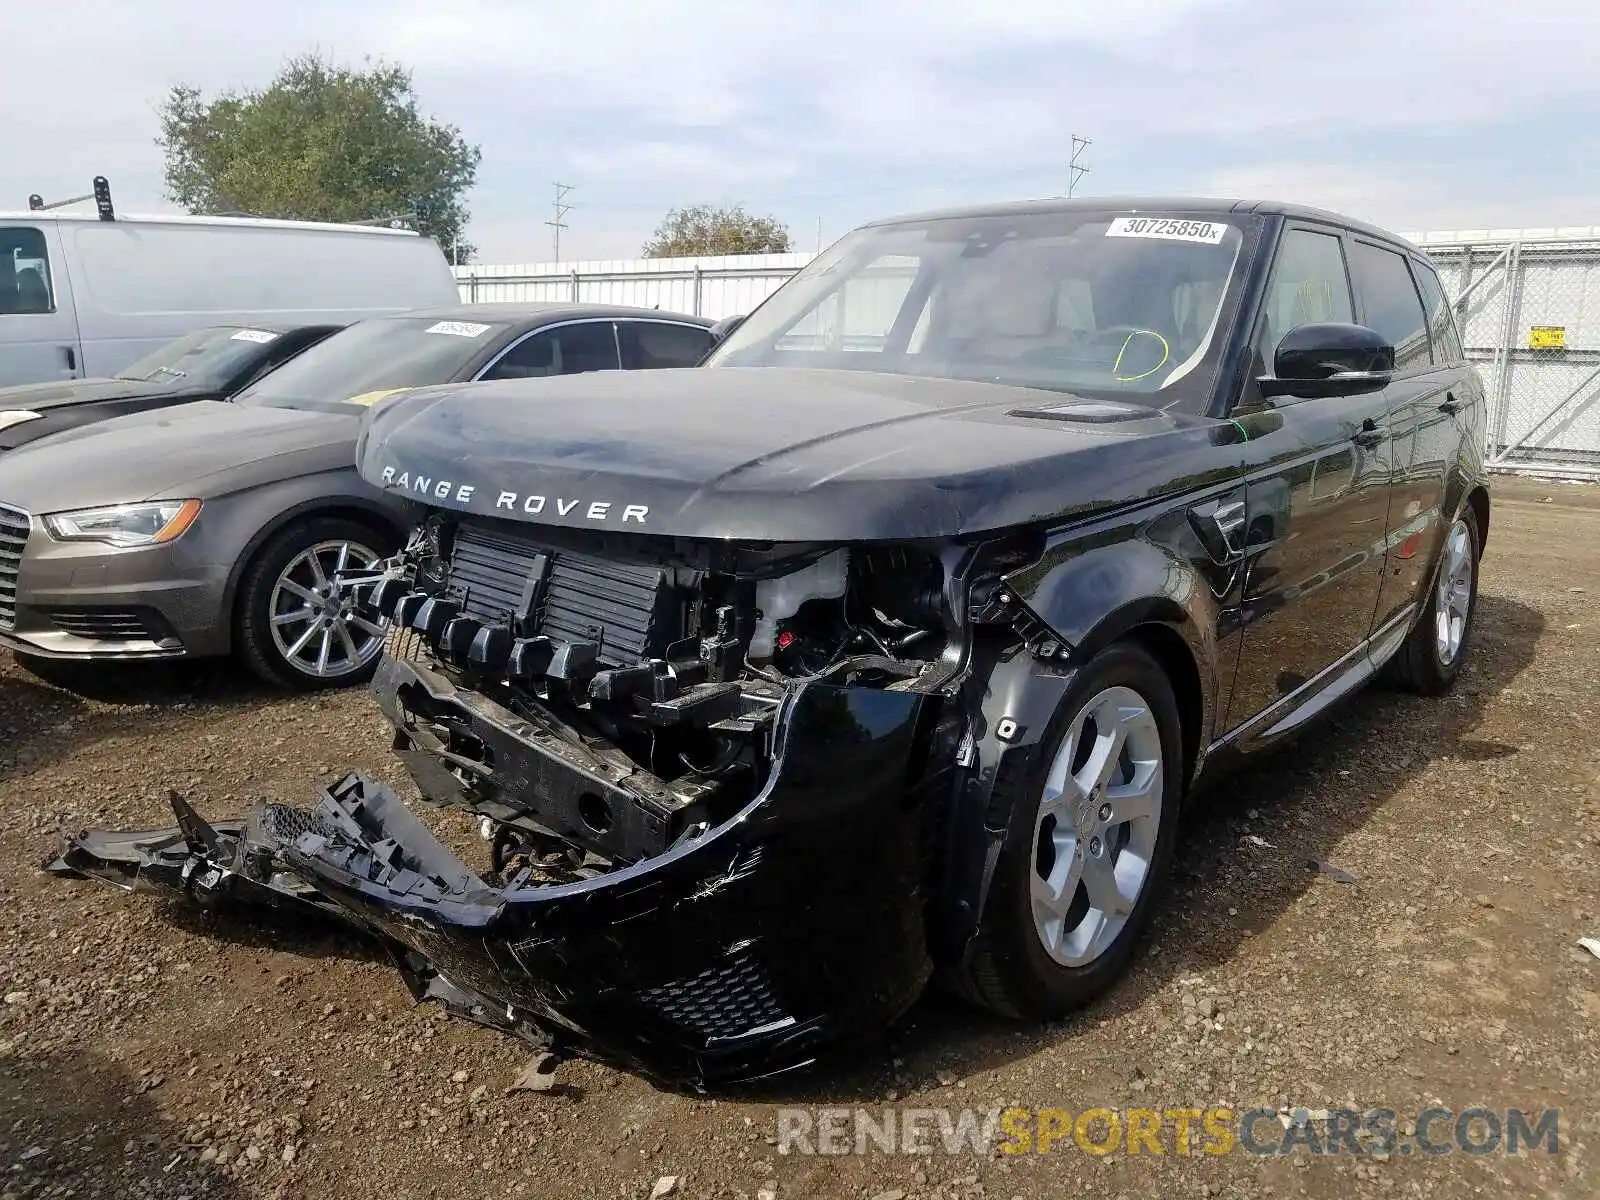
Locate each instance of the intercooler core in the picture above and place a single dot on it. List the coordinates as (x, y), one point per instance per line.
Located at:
(502, 576)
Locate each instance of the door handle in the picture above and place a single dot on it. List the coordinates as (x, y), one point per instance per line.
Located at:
(71, 355)
(1369, 434)
(1451, 405)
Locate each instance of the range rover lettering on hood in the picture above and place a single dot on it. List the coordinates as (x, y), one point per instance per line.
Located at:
(524, 503)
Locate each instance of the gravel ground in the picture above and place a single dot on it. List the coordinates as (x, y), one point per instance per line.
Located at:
(149, 1050)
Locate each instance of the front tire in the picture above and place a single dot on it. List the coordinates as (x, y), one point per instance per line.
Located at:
(1436, 648)
(1087, 845)
(294, 629)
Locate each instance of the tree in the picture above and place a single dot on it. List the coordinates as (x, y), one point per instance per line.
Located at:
(322, 142)
(705, 229)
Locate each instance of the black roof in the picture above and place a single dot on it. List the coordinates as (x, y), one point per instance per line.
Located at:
(546, 311)
(1189, 205)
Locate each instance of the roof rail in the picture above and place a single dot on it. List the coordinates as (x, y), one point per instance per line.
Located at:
(101, 195)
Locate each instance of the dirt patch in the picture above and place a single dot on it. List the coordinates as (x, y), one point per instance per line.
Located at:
(149, 1050)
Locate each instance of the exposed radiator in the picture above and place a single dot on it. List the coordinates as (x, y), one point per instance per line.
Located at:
(502, 576)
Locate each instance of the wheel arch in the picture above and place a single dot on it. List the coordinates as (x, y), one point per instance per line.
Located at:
(376, 516)
(1478, 501)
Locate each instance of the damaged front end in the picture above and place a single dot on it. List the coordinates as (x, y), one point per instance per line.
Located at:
(712, 777)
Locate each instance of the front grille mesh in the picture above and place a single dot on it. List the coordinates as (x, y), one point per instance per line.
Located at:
(725, 1000)
(14, 525)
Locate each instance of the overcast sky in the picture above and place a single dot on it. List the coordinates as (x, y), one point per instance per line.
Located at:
(1412, 113)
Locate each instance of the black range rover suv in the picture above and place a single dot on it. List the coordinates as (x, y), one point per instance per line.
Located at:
(892, 640)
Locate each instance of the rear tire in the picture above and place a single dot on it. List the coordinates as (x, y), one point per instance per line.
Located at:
(1076, 883)
(1436, 648)
(291, 629)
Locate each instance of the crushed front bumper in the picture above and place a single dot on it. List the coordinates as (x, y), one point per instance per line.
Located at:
(795, 925)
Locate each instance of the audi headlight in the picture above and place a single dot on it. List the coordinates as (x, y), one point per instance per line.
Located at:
(125, 524)
(17, 416)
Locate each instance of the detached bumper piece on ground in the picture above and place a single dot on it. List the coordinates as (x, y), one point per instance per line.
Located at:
(728, 959)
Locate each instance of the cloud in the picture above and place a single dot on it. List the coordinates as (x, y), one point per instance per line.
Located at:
(1433, 110)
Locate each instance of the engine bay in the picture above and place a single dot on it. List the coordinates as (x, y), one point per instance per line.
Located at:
(599, 698)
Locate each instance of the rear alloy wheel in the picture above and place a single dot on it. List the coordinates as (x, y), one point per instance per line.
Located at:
(1087, 843)
(298, 628)
(1436, 649)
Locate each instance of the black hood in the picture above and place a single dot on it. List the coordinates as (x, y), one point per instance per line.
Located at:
(770, 453)
(41, 397)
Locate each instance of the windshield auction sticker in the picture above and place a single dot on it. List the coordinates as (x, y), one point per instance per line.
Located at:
(1168, 229)
(458, 328)
(259, 336)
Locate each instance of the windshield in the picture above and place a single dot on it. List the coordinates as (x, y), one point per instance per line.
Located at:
(362, 363)
(207, 358)
(1091, 303)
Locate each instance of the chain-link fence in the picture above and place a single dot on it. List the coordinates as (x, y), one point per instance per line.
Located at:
(1528, 302)
(1530, 318)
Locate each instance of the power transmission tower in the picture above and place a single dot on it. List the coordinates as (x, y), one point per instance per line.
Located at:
(562, 209)
(1075, 168)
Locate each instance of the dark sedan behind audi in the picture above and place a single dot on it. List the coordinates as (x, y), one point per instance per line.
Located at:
(224, 526)
(208, 364)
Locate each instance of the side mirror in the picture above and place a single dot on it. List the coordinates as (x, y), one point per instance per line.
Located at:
(1316, 361)
(721, 330)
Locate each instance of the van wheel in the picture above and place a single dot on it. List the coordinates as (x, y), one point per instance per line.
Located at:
(1436, 648)
(1087, 845)
(294, 629)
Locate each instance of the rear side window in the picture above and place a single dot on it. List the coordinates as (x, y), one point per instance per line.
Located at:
(1441, 324)
(564, 350)
(1389, 302)
(1308, 287)
(24, 272)
(650, 344)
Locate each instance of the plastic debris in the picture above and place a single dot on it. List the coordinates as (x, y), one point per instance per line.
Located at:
(539, 1075)
(1337, 874)
(1592, 945)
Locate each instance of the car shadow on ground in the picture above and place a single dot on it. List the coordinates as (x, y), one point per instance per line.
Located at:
(78, 1124)
(1191, 931)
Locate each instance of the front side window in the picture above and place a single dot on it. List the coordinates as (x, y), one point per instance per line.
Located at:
(1389, 302)
(565, 350)
(1308, 287)
(25, 285)
(1091, 303)
(1441, 323)
(365, 361)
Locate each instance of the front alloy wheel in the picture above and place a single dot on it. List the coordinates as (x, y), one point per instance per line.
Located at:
(1089, 833)
(295, 626)
(314, 623)
(1098, 821)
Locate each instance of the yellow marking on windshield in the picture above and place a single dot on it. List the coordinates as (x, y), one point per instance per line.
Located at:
(1166, 353)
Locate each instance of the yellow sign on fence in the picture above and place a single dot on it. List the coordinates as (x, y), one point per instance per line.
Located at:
(1547, 337)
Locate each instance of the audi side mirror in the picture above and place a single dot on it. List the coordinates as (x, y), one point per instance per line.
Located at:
(1316, 361)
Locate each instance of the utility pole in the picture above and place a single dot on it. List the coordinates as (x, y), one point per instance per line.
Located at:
(819, 235)
(562, 209)
(1075, 168)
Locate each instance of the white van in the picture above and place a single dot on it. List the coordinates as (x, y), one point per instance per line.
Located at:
(84, 295)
